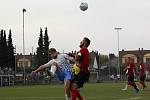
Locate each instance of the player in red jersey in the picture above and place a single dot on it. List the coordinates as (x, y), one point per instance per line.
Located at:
(130, 69)
(142, 74)
(84, 74)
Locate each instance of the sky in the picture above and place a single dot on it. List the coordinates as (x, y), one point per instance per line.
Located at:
(67, 24)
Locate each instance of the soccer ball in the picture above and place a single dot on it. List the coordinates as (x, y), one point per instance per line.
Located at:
(84, 6)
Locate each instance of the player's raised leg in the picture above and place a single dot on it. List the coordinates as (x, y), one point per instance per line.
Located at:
(142, 74)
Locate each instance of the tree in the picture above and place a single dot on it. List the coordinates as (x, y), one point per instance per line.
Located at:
(101, 59)
(112, 56)
(42, 56)
(1, 47)
(11, 60)
(7, 58)
(4, 49)
(39, 51)
(46, 46)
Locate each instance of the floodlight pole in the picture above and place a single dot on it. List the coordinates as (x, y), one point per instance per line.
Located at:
(24, 10)
(118, 29)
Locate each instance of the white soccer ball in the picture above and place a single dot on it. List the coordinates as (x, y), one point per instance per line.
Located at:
(84, 6)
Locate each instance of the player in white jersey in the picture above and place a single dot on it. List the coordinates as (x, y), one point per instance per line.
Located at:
(60, 67)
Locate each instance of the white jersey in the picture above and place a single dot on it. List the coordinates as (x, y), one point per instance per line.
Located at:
(62, 60)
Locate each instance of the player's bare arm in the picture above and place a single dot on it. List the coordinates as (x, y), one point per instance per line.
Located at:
(42, 67)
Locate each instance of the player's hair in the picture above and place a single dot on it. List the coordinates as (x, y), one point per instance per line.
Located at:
(87, 41)
(52, 50)
(129, 58)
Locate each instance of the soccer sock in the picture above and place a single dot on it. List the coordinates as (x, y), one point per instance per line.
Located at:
(133, 84)
(68, 98)
(79, 95)
(53, 70)
(126, 86)
(143, 84)
(74, 94)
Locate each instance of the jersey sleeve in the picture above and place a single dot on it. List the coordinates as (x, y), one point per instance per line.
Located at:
(133, 65)
(128, 66)
(48, 64)
(143, 66)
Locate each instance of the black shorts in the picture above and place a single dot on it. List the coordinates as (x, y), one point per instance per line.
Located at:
(142, 78)
(81, 78)
(131, 78)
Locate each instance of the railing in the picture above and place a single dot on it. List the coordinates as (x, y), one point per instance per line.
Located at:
(10, 80)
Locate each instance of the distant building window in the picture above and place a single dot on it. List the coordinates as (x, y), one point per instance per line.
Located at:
(148, 60)
(26, 64)
(20, 64)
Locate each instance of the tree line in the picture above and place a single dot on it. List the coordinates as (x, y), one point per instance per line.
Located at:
(7, 58)
(7, 50)
(42, 55)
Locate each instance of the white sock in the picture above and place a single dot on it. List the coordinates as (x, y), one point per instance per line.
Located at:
(68, 98)
(53, 70)
(126, 86)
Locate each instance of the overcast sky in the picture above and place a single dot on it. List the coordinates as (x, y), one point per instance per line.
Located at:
(67, 24)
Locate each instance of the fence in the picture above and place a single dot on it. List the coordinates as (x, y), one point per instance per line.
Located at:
(7, 80)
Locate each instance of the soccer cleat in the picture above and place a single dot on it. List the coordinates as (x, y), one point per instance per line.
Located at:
(125, 89)
(144, 87)
(137, 90)
(48, 78)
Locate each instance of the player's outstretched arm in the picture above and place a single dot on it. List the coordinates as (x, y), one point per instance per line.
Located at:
(39, 69)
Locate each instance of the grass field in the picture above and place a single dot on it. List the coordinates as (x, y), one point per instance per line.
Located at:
(101, 91)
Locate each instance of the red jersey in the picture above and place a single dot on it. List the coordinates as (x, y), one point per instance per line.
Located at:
(142, 69)
(85, 59)
(130, 69)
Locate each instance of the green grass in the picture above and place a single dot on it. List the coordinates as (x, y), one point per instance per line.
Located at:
(101, 91)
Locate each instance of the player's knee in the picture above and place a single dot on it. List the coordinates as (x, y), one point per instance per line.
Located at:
(67, 86)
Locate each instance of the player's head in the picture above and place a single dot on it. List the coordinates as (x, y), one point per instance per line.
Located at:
(85, 42)
(77, 57)
(129, 59)
(53, 53)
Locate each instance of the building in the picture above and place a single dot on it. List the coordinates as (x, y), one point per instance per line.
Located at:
(27, 59)
(136, 56)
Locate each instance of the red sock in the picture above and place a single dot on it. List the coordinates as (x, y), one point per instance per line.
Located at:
(132, 84)
(143, 84)
(78, 95)
(74, 94)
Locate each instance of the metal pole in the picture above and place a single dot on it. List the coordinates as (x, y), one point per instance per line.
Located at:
(119, 72)
(1, 81)
(118, 51)
(24, 10)
(15, 60)
(99, 65)
(32, 57)
(14, 77)
(9, 79)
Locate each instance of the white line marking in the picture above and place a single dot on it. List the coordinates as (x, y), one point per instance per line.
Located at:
(133, 98)
(116, 98)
